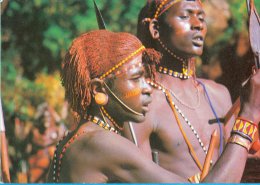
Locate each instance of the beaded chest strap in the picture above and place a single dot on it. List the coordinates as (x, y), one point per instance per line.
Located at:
(58, 160)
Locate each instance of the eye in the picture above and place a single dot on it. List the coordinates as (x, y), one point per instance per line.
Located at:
(202, 18)
(184, 17)
(136, 78)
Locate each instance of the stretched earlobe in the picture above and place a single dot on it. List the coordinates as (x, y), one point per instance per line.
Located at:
(101, 98)
(153, 27)
(99, 92)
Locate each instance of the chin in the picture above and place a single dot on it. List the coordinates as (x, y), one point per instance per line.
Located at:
(198, 50)
(138, 119)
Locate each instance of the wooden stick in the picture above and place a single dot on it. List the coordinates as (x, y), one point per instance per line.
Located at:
(192, 151)
(206, 166)
(4, 159)
(232, 110)
(155, 155)
(4, 151)
(133, 133)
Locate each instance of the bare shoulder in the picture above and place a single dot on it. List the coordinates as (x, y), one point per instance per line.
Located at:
(95, 151)
(102, 146)
(216, 90)
(219, 96)
(123, 161)
(214, 87)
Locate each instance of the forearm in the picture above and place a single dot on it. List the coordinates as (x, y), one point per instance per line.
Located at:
(153, 174)
(230, 166)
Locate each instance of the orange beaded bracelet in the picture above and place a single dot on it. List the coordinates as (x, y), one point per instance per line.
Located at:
(245, 128)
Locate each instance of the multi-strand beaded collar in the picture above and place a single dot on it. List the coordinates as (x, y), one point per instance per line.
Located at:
(58, 160)
(102, 124)
(175, 74)
(185, 74)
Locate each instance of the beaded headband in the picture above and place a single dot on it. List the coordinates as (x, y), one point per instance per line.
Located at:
(122, 62)
(160, 11)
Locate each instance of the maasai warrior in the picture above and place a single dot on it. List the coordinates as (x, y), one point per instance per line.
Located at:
(105, 83)
(177, 29)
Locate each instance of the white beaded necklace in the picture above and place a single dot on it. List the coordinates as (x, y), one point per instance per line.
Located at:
(162, 88)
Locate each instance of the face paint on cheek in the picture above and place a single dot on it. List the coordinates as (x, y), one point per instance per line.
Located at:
(132, 93)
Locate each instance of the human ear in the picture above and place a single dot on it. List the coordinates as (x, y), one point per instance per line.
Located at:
(154, 29)
(98, 91)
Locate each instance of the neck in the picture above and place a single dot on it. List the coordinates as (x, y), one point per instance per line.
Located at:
(104, 115)
(101, 123)
(107, 118)
(172, 64)
(176, 68)
(172, 60)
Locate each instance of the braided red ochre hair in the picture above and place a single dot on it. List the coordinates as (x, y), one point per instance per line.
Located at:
(91, 55)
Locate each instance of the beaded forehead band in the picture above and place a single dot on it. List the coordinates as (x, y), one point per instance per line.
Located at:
(160, 10)
(122, 62)
(163, 6)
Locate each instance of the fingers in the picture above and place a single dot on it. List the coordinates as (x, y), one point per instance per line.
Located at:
(250, 97)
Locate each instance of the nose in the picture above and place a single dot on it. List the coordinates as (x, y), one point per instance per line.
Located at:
(197, 24)
(147, 89)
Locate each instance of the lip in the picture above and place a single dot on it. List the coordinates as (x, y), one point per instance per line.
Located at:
(145, 109)
(198, 40)
(145, 105)
(147, 101)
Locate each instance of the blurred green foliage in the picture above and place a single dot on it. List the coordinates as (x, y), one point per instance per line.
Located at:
(37, 33)
(239, 19)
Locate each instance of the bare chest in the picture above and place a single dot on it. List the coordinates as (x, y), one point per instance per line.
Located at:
(194, 125)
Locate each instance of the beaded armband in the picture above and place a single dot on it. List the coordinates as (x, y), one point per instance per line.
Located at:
(244, 128)
(237, 139)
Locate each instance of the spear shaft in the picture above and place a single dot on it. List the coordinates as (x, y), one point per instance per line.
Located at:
(254, 31)
(4, 151)
(254, 37)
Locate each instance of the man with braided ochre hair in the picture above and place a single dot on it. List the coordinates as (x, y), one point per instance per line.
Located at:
(180, 123)
(105, 84)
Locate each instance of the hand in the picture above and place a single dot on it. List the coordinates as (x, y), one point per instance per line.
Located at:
(250, 98)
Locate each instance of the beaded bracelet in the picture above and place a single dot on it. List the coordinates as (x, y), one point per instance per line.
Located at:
(237, 139)
(245, 128)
